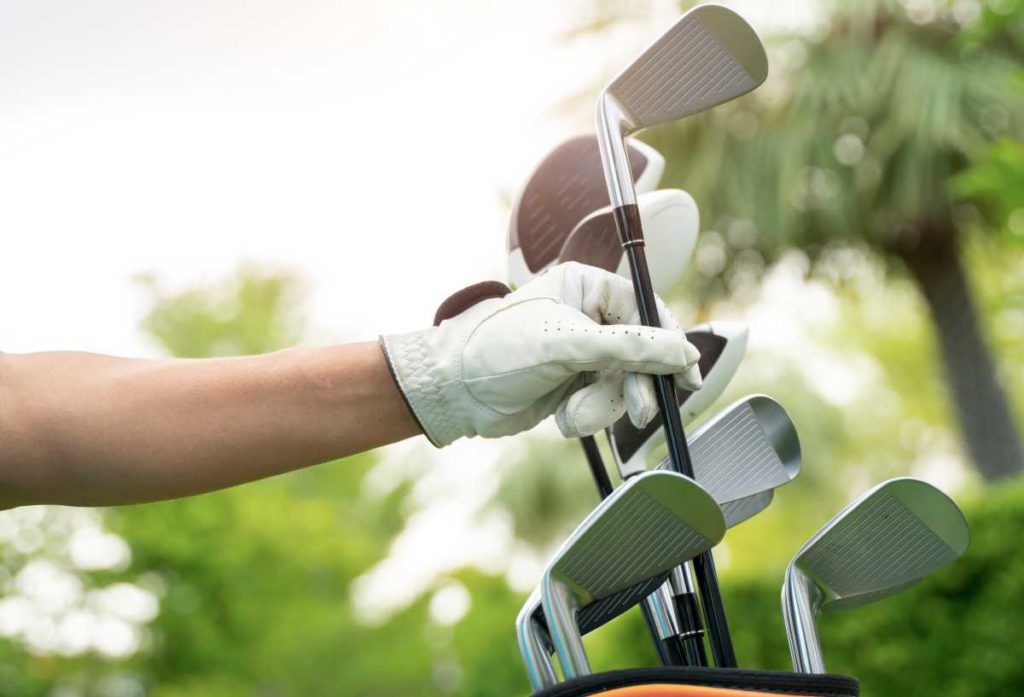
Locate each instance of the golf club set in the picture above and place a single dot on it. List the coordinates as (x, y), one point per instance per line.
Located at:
(594, 200)
(648, 543)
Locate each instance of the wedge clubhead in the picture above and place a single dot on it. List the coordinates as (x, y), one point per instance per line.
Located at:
(722, 346)
(566, 187)
(885, 541)
(649, 525)
(711, 55)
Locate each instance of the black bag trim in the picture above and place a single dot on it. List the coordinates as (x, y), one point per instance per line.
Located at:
(761, 680)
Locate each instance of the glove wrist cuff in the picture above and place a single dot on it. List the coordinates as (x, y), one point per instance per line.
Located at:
(424, 385)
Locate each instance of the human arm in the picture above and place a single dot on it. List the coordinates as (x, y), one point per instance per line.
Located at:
(87, 429)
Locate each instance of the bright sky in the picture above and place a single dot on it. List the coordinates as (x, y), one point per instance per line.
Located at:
(365, 144)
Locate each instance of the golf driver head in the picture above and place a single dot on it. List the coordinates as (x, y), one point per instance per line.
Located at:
(646, 527)
(566, 187)
(671, 225)
(885, 541)
(722, 346)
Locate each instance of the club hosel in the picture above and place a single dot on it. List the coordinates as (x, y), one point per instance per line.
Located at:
(613, 125)
(800, 599)
(561, 606)
(535, 650)
(660, 605)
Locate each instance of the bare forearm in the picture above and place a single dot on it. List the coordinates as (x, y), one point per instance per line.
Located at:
(86, 429)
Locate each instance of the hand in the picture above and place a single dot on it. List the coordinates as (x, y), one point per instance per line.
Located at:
(568, 343)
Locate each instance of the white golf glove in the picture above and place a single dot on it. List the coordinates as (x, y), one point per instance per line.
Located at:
(569, 343)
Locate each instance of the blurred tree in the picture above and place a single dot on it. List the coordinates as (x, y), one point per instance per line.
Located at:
(253, 311)
(998, 181)
(854, 142)
(256, 580)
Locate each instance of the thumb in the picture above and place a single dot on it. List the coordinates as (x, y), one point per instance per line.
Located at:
(589, 409)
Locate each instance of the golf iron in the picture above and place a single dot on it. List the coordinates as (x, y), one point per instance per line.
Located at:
(556, 209)
(711, 55)
(885, 541)
(635, 536)
(744, 478)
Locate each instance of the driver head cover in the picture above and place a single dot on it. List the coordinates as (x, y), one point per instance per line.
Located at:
(566, 187)
(884, 542)
(671, 225)
(646, 527)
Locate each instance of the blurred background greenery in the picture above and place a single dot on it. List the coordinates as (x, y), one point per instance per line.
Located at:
(863, 212)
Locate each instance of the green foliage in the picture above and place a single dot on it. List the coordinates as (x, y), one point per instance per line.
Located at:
(854, 140)
(256, 588)
(255, 311)
(998, 181)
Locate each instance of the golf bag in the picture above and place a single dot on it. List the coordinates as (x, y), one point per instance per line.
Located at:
(703, 682)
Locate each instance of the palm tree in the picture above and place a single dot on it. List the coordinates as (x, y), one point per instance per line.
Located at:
(855, 141)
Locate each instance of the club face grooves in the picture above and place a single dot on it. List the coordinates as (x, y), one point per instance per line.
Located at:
(603, 556)
(711, 55)
(638, 534)
(887, 540)
(749, 448)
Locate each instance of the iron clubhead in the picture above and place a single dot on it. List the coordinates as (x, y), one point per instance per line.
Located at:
(885, 541)
(709, 56)
(742, 510)
(748, 448)
(532, 629)
(649, 525)
(564, 188)
(722, 346)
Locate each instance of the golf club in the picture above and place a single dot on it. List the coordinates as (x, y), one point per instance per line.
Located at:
(768, 456)
(646, 527)
(711, 55)
(749, 448)
(532, 631)
(553, 210)
(885, 541)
